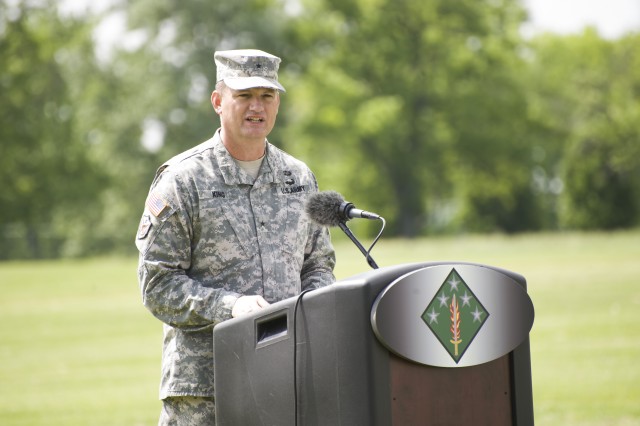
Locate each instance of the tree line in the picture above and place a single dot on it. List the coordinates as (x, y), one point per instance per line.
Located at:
(438, 115)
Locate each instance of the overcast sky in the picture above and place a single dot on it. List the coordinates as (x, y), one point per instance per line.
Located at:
(612, 18)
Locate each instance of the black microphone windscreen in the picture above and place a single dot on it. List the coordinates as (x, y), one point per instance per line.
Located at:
(324, 208)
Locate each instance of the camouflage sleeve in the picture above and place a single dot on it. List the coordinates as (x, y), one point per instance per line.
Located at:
(319, 260)
(319, 255)
(164, 242)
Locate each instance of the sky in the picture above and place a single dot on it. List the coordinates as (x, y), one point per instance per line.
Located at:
(612, 18)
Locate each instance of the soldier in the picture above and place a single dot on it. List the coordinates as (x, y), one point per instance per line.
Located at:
(224, 233)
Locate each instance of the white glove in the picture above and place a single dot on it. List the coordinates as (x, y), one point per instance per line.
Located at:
(247, 304)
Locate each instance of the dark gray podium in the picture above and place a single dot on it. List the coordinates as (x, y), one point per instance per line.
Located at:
(415, 344)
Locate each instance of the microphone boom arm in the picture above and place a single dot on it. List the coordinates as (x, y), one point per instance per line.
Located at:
(346, 230)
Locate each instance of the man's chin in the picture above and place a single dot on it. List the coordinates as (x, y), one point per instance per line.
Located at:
(254, 131)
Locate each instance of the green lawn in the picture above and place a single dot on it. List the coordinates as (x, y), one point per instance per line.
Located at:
(78, 348)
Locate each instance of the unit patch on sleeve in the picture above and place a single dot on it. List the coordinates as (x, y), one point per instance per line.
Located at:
(145, 225)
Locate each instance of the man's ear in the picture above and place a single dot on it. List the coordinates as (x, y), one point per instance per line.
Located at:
(216, 102)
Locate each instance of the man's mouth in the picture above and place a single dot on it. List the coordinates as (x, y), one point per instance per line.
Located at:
(255, 119)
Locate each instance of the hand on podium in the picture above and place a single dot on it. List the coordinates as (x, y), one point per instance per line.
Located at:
(247, 304)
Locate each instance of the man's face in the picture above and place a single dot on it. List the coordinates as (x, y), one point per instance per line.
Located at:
(246, 115)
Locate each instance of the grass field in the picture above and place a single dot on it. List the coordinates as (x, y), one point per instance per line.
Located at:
(78, 348)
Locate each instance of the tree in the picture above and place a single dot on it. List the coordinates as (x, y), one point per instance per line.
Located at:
(588, 98)
(408, 100)
(44, 165)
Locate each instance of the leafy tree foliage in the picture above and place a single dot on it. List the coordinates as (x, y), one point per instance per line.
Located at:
(46, 171)
(588, 96)
(438, 115)
(423, 98)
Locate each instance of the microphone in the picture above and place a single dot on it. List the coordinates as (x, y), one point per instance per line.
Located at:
(329, 208)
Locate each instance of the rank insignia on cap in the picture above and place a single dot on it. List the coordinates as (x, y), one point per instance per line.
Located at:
(155, 204)
(246, 68)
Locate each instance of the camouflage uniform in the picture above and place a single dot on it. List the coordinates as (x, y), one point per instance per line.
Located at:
(188, 410)
(210, 234)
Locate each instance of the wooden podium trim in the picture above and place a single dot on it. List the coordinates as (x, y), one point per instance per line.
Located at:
(438, 396)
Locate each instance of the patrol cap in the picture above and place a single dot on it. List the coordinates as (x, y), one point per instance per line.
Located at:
(246, 68)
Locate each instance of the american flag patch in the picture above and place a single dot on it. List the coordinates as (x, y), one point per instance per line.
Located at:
(155, 204)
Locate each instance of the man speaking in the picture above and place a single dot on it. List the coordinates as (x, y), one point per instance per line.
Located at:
(224, 233)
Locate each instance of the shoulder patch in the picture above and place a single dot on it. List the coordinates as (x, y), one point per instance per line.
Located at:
(145, 225)
(156, 204)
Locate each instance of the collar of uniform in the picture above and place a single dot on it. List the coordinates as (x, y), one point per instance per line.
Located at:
(233, 174)
(277, 170)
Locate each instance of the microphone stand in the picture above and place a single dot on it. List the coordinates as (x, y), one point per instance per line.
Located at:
(346, 230)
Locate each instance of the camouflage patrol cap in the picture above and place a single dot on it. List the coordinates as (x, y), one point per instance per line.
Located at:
(247, 68)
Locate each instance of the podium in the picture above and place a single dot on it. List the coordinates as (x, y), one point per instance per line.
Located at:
(432, 343)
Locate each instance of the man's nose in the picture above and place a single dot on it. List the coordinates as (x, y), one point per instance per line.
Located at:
(256, 104)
